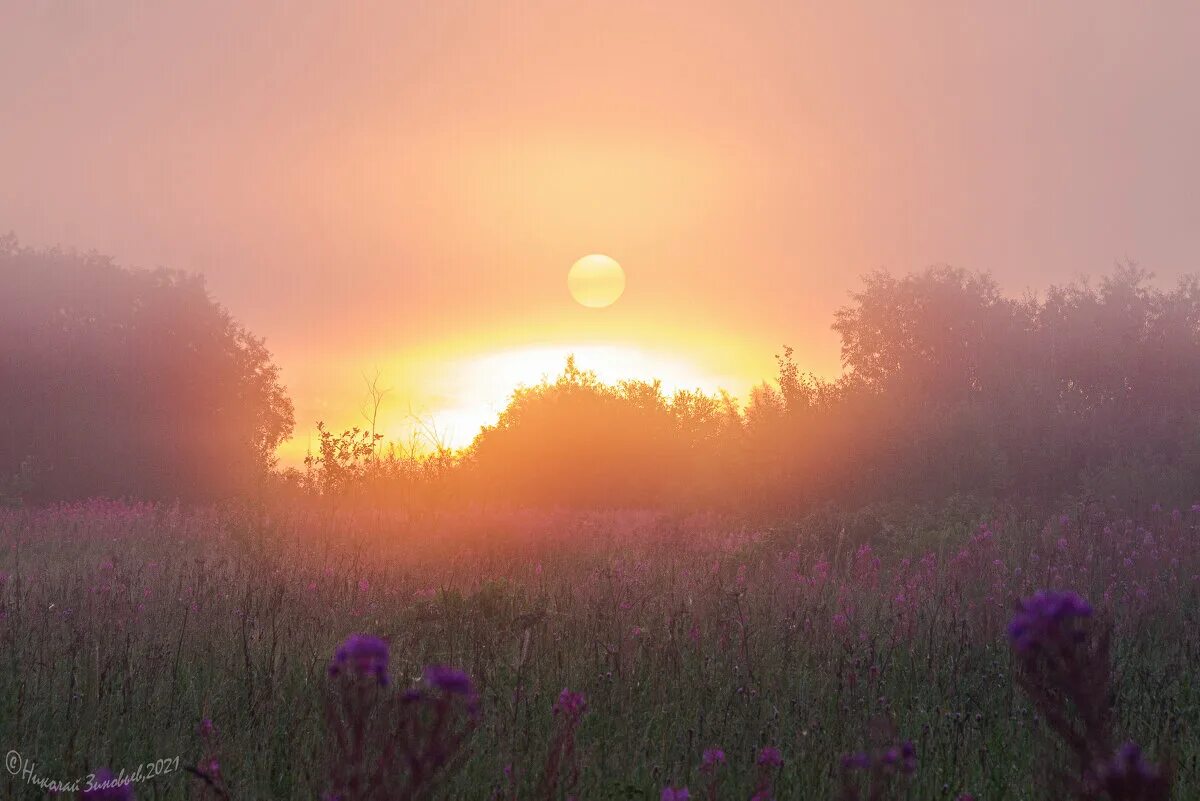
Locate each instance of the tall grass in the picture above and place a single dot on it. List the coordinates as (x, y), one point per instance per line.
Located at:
(124, 627)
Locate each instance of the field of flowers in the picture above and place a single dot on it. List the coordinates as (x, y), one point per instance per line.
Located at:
(310, 654)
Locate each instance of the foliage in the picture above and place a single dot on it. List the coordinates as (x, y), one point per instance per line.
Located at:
(129, 383)
(964, 390)
(341, 461)
(951, 389)
(355, 467)
(579, 442)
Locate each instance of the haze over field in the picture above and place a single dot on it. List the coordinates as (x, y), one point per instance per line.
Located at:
(405, 188)
(605, 400)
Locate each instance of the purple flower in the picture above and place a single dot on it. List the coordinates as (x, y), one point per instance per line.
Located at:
(361, 655)
(206, 728)
(713, 758)
(452, 681)
(105, 787)
(570, 705)
(675, 794)
(770, 757)
(1129, 775)
(1042, 616)
(1128, 759)
(902, 758)
(449, 680)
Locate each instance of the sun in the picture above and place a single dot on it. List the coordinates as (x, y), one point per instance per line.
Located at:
(596, 281)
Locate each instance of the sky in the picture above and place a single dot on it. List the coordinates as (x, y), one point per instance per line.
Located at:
(401, 188)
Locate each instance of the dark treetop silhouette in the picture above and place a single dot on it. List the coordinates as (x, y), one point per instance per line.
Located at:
(950, 388)
(129, 383)
(119, 382)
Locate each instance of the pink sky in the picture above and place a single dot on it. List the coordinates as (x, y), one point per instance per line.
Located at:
(404, 186)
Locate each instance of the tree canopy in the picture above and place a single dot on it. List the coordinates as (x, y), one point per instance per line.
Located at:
(950, 387)
(123, 382)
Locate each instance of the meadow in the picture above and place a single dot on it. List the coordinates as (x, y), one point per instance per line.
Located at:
(599, 401)
(717, 653)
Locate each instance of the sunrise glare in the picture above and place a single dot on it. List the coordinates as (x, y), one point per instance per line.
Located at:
(461, 395)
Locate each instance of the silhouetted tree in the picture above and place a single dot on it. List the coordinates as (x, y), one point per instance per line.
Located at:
(577, 441)
(129, 382)
(950, 387)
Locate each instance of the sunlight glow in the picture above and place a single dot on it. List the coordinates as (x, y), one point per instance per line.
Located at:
(476, 389)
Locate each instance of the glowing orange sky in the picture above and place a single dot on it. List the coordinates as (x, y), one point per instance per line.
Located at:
(404, 186)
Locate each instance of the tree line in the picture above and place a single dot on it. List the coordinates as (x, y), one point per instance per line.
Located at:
(950, 388)
(137, 383)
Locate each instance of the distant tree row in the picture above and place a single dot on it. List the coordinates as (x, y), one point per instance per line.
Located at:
(133, 383)
(119, 382)
(950, 388)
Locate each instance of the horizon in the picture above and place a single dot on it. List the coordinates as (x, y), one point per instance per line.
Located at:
(475, 387)
(404, 190)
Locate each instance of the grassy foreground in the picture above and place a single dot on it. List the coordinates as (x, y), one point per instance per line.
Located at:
(123, 627)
